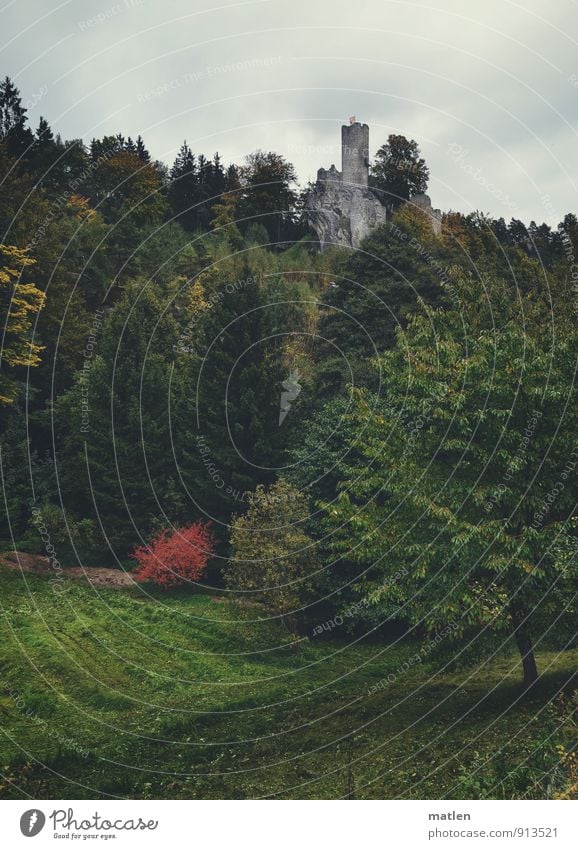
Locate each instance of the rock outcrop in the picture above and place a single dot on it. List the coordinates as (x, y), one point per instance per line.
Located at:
(342, 213)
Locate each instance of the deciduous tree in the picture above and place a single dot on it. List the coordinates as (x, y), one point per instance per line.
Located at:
(468, 479)
(19, 304)
(399, 172)
(273, 558)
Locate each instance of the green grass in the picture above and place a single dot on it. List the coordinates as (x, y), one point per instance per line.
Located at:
(110, 693)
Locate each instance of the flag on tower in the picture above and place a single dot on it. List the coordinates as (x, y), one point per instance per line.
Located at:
(353, 120)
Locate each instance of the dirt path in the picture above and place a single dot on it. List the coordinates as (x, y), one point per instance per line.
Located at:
(95, 575)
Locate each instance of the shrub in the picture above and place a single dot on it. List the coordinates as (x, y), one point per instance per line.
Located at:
(175, 556)
(273, 558)
(58, 534)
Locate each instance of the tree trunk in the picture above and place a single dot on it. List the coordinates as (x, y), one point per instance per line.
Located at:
(525, 646)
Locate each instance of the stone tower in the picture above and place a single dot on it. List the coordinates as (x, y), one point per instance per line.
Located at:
(341, 208)
(355, 154)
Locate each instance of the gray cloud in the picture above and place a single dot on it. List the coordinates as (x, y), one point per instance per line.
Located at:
(498, 80)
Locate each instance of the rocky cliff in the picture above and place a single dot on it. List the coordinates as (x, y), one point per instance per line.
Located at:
(343, 214)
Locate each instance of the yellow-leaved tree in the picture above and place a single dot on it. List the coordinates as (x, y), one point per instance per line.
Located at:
(19, 303)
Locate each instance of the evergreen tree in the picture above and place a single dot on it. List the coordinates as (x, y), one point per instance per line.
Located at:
(14, 465)
(219, 177)
(14, 132)
(44, 132)
(401, 268)
(74, 271)
(58, 167)
(113, 426)
(269, 196)
(130, 146)
(226, 207)
(141, 150)
(230, 396)
(183, 189)
(25, 212)
(196, 188)
(126, 188)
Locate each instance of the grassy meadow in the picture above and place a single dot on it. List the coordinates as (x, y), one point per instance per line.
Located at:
(114, 693)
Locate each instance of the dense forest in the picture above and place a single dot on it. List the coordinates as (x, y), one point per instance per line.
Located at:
(382, 441)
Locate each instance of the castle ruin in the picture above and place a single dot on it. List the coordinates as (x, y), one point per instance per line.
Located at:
(342, 209)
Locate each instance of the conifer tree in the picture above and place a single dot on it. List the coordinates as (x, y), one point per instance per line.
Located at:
(231, 400)
(113, 426)
(14, 131)
(400, 270)
(183, 189)
(141, 150)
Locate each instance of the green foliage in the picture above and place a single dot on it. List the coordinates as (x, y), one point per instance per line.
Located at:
(227, 398)
(268, 195)
(399, 172)
(74, 272)
(113, 425)
(257, 234)
(467, 477)
(14, 464)
(23, 210)
(327, 450)
(174, 316)
(125, 186)
(75, 541)
(273, 559)
(196, 185)
(13, 130)
(399, 272)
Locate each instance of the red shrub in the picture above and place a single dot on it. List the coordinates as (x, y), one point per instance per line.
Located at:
(175, 556)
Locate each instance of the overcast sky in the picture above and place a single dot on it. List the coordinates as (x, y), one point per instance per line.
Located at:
(488, 89)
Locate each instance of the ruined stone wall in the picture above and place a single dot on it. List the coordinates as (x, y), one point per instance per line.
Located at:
(423, 202)
(325, 175)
